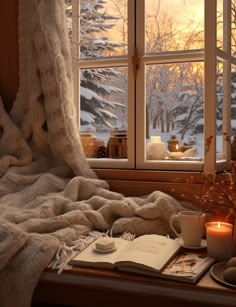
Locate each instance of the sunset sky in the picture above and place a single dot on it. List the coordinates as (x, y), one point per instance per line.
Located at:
(186, 17)
(181, 12)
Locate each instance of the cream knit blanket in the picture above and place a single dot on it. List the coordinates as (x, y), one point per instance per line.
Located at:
(51, 202)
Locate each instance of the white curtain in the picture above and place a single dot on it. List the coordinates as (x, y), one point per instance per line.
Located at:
(44, 107)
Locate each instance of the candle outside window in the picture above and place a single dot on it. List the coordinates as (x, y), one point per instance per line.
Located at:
(155, 149)
(219, 240)
(155, 139)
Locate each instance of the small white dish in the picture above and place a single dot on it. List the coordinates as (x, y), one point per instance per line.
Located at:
(179, 154)
(104, 251)
(203, 244)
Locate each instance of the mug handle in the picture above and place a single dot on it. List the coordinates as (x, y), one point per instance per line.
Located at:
(175, 218)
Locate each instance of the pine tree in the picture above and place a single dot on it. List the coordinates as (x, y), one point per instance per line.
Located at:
(96, 108)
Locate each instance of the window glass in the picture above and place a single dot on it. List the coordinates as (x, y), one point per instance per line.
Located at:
(233, 100)
(99, 32)
(175, 108)
(174, 25)
(233, 113)
(233, 27)
(219, 24)
(219, 109)
(103, 28)
(103, 106)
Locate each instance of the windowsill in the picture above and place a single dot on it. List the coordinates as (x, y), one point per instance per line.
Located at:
(147, 175)
(73, 287)
(143, 182)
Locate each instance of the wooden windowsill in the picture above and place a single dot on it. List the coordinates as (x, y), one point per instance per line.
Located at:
(143, 182)
(86, 287)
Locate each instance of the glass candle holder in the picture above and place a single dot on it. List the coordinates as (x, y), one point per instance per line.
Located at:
(219, 240)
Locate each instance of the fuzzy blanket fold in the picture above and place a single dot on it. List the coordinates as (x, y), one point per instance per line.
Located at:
(51, 202)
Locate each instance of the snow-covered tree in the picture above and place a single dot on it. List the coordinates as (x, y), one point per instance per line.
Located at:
(166, 108)
(219, 102)
(95, 83)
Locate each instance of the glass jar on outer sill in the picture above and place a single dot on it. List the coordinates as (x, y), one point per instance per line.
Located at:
(173, 144)
(88, 140)
(117, 144)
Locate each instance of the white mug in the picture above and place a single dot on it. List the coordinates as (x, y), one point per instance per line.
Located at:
(191, 225)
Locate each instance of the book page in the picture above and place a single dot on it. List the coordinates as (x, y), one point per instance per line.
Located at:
(150, 251)
(90, 257)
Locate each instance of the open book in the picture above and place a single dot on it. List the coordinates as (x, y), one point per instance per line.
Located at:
(148, 255)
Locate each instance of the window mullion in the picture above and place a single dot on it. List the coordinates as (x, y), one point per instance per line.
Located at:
(210, 84)
(75, 54)
(131, 83)
(140, 85)
(173, 58)
(227, 74)
(100, 63)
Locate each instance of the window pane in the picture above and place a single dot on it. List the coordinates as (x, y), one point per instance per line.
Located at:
(174, 25)
(104, 107)
(219, 25)
(233, 27)
(103, 28)
(219, 110)
(233, 109)
(233, 97)
(174, 108)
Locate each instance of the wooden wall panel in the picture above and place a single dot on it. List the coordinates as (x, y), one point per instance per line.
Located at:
(8, 51)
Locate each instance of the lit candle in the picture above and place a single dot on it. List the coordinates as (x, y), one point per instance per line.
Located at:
(155, 149)
(219, 240)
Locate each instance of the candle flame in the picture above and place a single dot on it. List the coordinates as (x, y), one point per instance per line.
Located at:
(218, 225)
(177, 147)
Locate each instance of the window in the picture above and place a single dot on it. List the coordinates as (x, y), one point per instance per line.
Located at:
(154, 82)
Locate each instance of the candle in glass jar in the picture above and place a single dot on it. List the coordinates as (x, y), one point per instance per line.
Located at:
(219, 240)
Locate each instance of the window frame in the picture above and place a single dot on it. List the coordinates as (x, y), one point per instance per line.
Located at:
(136, 119)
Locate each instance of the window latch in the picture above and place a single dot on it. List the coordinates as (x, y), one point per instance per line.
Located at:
(135, 60)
